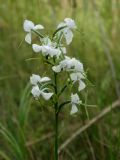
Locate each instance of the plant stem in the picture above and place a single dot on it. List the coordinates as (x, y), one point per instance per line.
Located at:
(56, 119)
(56, 136)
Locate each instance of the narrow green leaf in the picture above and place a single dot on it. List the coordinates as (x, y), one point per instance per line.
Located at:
(24, 106)
(12, 141)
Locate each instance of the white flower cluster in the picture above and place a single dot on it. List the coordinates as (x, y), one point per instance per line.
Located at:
(75, 68)
(47, 48)
(52, 48)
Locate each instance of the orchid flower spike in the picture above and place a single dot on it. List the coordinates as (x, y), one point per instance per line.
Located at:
(28, 27)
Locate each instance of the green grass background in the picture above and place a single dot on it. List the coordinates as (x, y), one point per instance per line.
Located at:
(88, 46)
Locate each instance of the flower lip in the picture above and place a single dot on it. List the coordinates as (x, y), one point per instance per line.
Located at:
(74, 109)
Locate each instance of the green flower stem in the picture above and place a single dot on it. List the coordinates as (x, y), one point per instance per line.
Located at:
(63, 89)
(56, 119)
(56, 136)
(55, 75)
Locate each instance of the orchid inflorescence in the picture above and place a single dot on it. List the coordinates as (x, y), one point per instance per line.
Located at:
(54, 52)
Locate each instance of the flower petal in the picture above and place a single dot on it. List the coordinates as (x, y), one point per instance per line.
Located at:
(46, 96)
(75, 98)
(39, 26)
(56, 69)
(81, 85)
(28, 25)
(74, 77)
(70, 23)
(28, 38)
(68, 36)
(36, 48)
(36, 91)
(34, 79)
(74, 109)
(45, 79)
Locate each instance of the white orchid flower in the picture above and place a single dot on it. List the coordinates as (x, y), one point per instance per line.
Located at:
(49, 48)
(28, 27)
(70, 64)
(46, 50)
(68, 25)
(78, 77)
(74, 66)
(35, 79)
(74, 101)
(36, 92)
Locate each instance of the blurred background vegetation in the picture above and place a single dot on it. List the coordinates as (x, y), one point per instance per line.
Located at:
(95, 42)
